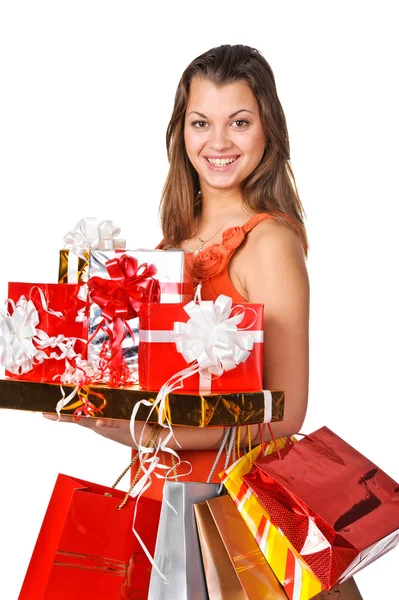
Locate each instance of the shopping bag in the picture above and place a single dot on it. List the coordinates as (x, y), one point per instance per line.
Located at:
(86, 547)
(233, 563)
(338, 509)
(177, 552)
(179, 574)
(291, 570)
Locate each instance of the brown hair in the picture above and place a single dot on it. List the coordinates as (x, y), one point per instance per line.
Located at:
(271, 186)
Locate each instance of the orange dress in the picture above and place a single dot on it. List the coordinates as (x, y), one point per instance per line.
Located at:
(210, 267)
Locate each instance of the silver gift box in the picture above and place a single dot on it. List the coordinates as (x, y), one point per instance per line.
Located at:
(177, 551)
(171, 274)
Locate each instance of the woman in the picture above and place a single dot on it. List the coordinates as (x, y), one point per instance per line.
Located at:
(231, 202)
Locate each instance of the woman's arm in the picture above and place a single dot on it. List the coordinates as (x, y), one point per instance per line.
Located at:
(274, 274)
(272, 271)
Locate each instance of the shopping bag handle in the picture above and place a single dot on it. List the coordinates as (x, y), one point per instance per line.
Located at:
(149, 441)
(291, 439)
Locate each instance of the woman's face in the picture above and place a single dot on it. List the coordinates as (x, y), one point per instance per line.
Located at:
(223, 133)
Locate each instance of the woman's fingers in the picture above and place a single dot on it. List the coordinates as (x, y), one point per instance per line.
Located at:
(54, 417)
(112, 429)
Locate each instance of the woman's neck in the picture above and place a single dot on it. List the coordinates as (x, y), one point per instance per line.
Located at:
(219, 205)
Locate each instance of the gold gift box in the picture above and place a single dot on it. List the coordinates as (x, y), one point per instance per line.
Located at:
(215, 410)
(82, 265)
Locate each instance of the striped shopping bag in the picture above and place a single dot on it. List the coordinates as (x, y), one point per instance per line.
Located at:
(290, 569)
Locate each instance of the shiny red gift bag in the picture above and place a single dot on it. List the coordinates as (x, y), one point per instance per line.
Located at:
(86, 547)
(159, 359)
(49, 298)
(337, 508)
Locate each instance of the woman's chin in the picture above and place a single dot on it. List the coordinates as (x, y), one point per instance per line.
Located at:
(219, 183)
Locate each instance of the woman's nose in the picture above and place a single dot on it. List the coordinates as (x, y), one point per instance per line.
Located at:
(219, 139)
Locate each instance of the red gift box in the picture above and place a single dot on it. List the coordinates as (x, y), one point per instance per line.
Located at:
(337, 508)
(86, 547)
(58, 298)
(120, 284)
(159, 358)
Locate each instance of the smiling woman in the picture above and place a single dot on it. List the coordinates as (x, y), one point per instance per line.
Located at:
(230, 201)
(223, 144)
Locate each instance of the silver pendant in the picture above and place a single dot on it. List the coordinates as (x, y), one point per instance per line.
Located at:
(202, 244)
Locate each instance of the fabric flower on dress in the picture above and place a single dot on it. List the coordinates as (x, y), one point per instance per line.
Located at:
(232, 237)
(209, 262)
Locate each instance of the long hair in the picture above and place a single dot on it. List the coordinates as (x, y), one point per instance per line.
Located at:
(271, 186)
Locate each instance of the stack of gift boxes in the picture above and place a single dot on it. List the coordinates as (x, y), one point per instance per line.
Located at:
(107, 327)
(122, 333)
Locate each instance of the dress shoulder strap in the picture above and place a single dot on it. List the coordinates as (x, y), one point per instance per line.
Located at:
(255, 220)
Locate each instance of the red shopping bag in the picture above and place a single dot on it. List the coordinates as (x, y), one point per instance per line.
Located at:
(86, 547)
(337, 508)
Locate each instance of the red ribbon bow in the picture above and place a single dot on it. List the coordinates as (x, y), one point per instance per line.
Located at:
(120, 299)
(130, 286)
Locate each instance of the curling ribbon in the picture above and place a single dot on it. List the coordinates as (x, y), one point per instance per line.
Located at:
(120, 299)
(85, 406)
(78, 372)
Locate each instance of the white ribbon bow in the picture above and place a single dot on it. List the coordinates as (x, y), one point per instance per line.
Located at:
(22, 344)
(89, 234)
(18, 353)
(211, 337)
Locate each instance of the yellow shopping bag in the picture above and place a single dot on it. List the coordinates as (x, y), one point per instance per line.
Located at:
(290, 569)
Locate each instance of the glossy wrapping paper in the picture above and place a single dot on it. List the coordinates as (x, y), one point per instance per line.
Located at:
(81, 266)
(174, 287)
(62, 298)
(177, 552)
(187, 409)
(291, 570)
(233, 563)
(337, 508)
(86, 547)
(159, 358)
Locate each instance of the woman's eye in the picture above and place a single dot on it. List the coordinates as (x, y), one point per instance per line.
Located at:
(199, 124)
(240, 123)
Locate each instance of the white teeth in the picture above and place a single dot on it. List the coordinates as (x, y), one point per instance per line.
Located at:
(221, 162)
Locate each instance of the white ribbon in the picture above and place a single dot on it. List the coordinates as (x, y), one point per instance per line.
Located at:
(89, 234)
(22, 344)
(267, 414)
(18, 353)
(77, 374)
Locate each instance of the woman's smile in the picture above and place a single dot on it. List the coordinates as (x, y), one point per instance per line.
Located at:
(222, 164)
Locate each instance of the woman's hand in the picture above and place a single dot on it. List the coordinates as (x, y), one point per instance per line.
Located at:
(188, 438)
(113, 429)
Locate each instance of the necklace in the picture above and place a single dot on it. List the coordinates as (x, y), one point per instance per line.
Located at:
(203, 242)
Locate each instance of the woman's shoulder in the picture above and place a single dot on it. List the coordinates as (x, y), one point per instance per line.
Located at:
(273, 235)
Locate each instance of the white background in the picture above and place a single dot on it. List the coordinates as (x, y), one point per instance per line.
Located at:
(86, 92)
